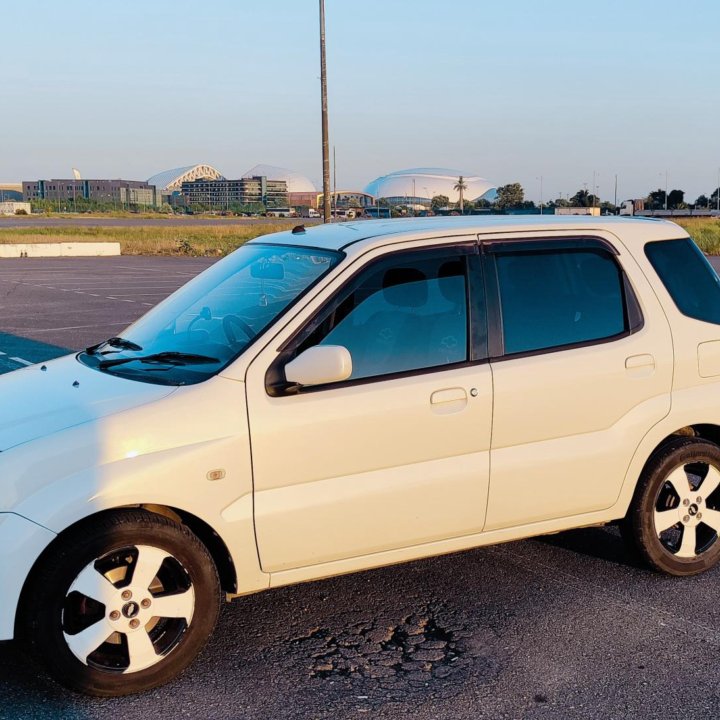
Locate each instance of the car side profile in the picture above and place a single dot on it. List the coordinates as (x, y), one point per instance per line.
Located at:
(496, 378)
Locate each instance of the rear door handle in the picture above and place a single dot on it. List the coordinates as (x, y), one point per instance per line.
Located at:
(448, 395)
(640, 364)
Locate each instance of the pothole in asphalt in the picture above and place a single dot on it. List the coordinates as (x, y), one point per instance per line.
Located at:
(424, 646)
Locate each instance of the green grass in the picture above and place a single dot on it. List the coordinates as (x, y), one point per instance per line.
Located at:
(705, 232)
(195, 240)
(218, 240)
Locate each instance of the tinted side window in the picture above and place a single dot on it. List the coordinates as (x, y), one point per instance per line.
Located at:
(403, 315)
(561, 297)
(688, 277)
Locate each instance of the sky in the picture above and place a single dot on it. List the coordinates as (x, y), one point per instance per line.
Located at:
(510, 91)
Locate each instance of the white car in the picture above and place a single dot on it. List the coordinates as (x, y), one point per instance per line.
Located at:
(351, 396)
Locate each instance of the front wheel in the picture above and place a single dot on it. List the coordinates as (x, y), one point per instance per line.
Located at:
(122, 603)
(674, 518)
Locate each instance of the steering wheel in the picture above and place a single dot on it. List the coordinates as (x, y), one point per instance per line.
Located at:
(230, 323)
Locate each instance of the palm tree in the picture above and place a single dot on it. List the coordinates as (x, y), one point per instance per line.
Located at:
(460, 186)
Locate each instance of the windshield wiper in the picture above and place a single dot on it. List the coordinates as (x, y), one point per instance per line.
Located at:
(114, 342)
(169, 357)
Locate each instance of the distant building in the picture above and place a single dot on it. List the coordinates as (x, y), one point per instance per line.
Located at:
(303, 199)
(300, 189)
(245, 191)
(169, 182)
(577, 211)
(122, 192)
(10, 191)
(14, 208)
(347, 200)
(418, 186)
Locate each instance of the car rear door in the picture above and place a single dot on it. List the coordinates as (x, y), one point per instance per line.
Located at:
(581, 354)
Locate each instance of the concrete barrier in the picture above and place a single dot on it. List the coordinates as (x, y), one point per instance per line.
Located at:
(85, 249)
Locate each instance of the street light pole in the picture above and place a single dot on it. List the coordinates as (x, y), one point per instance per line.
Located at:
(324, 114)
(541, 194)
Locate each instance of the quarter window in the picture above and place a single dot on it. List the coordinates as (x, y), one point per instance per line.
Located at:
(557, 298)
(404, 314)
(689, 278)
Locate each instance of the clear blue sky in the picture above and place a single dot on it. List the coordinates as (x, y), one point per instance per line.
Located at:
(508, 90)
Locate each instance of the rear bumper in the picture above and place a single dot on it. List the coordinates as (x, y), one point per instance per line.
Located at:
(21, 542)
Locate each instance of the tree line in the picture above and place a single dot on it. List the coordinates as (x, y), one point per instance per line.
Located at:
(512, 197)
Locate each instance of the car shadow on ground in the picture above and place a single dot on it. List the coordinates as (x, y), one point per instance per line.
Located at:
(602, 543)
(26, 688)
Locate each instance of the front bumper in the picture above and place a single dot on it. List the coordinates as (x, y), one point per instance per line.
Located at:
(21, 542)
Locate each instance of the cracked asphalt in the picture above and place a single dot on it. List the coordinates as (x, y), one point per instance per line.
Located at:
(566, 626)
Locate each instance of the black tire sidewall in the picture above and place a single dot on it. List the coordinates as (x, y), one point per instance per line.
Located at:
(70, 555)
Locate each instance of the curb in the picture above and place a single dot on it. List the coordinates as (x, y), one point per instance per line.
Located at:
(89, 249)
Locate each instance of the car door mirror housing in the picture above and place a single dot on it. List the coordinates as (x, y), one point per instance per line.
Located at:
(320, 365)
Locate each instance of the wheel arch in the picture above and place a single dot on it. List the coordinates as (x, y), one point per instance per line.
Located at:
(205, 533)
(701, 431)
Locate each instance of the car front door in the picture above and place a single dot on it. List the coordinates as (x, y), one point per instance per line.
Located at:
(398, 454)
(582, 369)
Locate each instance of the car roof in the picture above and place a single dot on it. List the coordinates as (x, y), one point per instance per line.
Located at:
(362, 233)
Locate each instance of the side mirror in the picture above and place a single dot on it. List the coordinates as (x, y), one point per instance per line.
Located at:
(320, 365)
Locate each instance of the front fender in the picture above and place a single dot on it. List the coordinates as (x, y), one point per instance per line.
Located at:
(162, 453)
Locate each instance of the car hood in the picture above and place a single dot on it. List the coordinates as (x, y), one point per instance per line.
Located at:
(43, 399)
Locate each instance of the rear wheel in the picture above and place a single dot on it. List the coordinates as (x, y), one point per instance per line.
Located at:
(122, 603)
(675, 515)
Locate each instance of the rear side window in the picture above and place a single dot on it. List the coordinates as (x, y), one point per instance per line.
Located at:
(556, 298)
(689, 278)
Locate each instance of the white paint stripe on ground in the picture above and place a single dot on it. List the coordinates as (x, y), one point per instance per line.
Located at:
(21, 361)
(154, 294)
(71, 327)
(167, 288)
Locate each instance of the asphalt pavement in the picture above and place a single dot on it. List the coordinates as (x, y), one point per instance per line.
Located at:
(567, 626)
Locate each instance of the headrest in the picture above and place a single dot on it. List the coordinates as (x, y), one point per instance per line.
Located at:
(599, 275)
(405, 287)
(450, 288)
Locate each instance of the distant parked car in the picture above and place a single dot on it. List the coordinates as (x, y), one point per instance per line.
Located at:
(349, 396)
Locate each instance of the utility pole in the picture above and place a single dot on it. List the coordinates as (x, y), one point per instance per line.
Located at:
(615, 192)
(334, 184)
(324, 110)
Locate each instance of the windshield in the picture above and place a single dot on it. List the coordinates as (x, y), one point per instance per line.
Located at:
(199, 329)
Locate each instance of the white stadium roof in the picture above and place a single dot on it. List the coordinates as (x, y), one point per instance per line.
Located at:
(296, 183)
(428, 182)
(173, 179)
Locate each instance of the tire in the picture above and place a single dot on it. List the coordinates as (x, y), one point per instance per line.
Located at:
(674, 518)
(121, 603)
